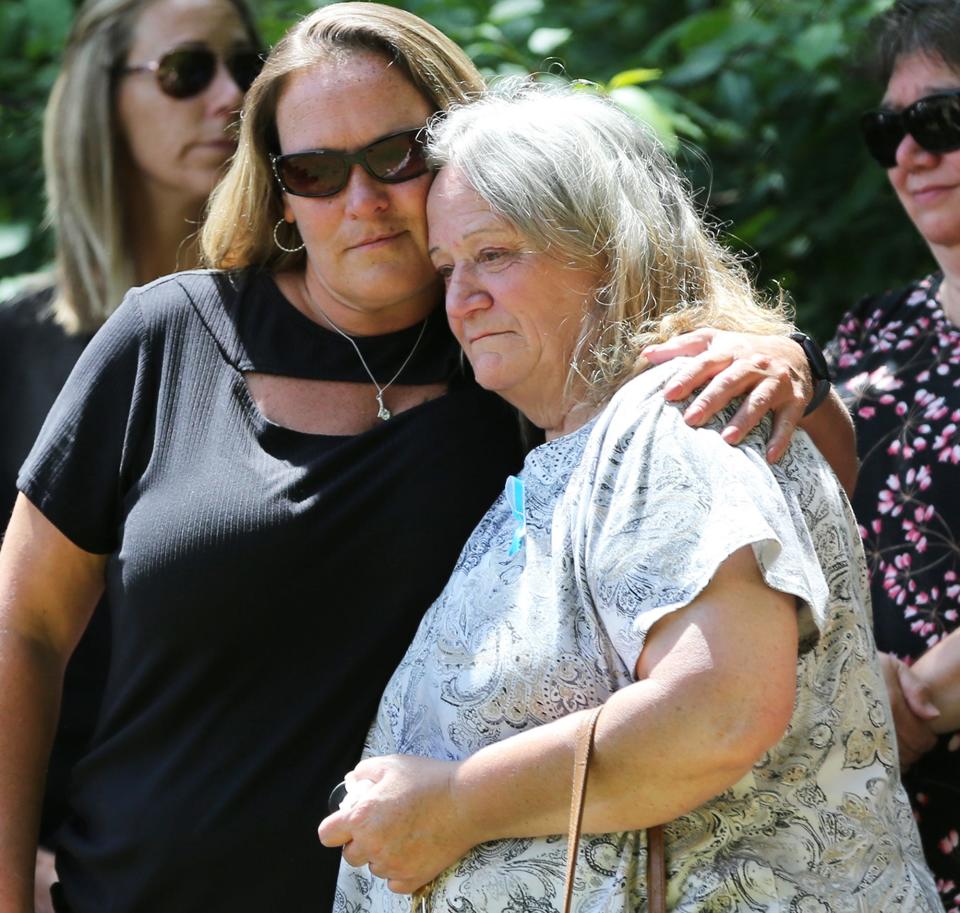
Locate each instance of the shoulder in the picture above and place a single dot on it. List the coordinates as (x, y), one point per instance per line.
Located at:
(640, 413)
(172, 297)
(880, 308)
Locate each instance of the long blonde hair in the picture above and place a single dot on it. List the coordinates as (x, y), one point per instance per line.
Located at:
(588, 184)
(82, 154)
(245, 207)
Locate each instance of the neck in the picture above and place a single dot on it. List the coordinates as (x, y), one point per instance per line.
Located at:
(311, 297)
(559, 415)
(948, 260)
(163, 228)
(164, 235)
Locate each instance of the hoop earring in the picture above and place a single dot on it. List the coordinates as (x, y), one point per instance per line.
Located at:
(276, 240)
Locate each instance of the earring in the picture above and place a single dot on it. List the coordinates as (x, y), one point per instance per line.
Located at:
(276, 240)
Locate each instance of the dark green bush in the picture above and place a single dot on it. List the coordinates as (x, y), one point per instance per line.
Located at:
(759, 101)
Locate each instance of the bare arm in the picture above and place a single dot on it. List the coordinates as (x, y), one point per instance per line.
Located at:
(48, 590)
(772, 375)
(720, 672)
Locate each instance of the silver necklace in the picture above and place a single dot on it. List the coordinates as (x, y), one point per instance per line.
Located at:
(383, 413)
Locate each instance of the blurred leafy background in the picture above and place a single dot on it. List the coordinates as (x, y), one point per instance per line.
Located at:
(758, 100)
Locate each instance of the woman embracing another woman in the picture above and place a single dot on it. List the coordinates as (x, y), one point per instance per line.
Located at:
(716, 606)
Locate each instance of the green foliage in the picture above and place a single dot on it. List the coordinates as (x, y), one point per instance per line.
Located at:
(758, 100)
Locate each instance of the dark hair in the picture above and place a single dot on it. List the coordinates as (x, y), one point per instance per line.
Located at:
(928, 27)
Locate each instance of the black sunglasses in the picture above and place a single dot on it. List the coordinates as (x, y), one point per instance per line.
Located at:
(392, 159)
(187, 71)
(933, 121)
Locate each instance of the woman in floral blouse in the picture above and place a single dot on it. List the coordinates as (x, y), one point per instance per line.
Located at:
(896, 358)
(715, 606)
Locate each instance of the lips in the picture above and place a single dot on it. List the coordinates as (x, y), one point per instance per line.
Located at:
(486, 334)
(376, 239)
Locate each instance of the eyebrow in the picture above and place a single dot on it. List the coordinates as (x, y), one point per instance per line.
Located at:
(927, 92)
(469, 234)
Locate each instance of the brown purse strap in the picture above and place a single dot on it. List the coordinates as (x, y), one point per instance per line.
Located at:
(656, 860)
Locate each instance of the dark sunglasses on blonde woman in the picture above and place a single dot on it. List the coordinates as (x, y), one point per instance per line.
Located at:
(187, 71)
(933, 121)
(391, 159)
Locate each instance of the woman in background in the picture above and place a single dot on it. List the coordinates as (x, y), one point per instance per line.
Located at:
(896, 357)
(139, 127)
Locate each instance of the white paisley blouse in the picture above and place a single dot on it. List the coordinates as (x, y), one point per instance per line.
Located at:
(546, 612)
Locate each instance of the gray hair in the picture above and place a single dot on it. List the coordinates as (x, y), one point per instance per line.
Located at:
(583, 181)
(82, 152)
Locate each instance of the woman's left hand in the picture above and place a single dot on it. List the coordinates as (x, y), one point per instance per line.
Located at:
(770, 373)
(403, 824)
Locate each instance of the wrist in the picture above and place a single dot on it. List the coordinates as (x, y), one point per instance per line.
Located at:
(820, 374)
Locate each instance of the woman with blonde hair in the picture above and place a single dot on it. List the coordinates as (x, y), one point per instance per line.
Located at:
(714, 606)
(138, 128)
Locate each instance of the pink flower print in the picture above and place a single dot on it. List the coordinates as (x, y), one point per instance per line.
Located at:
(886, 503)
(866, 412)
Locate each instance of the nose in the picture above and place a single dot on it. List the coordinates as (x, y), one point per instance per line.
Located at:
(224, 93)
(910, 154)
(364, 195)
(465, 294)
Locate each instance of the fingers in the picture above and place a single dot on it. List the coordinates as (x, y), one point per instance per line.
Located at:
(914, 736)
(736, 380)
(685, 344)
(785, 422)
(333, 830)
(705, 368)
(916, 693)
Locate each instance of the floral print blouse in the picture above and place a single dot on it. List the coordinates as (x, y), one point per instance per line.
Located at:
(897, 363)
(611, 528)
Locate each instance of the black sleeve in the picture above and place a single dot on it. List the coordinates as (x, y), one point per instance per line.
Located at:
(86, 454)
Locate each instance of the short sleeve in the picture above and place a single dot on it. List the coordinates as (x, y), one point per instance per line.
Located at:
(83, 458)
(671, 503)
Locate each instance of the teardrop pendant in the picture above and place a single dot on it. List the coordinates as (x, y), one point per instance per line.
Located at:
(383, 413)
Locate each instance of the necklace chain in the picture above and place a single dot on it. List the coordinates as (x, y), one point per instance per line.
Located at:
(383, 413)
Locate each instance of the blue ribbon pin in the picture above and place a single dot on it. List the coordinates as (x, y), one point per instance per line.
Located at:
(515, 498)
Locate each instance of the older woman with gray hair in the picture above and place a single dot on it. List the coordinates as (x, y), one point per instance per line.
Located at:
(714, 605)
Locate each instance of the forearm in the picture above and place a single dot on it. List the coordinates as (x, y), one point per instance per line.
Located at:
(939, 668)
(48, 589)
(30, 682)
(649, 766)
(831, 429)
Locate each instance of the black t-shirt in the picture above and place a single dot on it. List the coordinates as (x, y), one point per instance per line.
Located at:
(36, 357)
(264, 583)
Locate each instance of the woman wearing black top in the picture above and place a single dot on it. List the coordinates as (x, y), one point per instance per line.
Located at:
(221, 466)
(131, 155)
